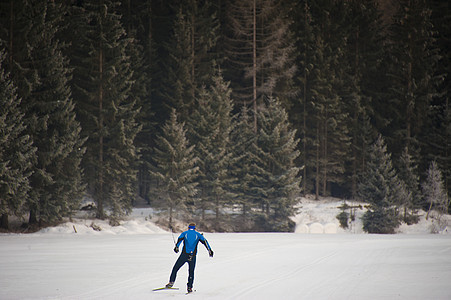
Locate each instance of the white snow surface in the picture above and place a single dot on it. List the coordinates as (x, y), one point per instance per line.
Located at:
(318, 261)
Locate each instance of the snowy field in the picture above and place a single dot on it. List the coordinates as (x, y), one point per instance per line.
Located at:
(128, 261)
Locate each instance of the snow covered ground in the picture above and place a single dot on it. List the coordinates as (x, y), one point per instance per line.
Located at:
(128, 261)
(321, 217)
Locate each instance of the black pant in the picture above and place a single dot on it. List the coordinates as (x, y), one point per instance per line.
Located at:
(183, 258)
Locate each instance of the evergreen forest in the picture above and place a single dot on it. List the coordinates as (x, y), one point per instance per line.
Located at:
(223, 112)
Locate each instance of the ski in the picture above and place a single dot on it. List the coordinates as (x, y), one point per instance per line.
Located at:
(187, 293)
(165, 288)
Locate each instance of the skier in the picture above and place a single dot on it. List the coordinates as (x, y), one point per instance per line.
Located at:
(190, 240)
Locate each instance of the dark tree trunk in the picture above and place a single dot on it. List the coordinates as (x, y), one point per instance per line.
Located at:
(4, 223)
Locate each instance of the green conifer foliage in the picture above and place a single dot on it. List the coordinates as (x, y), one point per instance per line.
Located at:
(16, 25)
(179, 83)
(305, 55)
(362, 78)
(433, 190)
(278, 180)
(135, 16)
(325, 129)
(16, 151)
(438, 145)
(42, 73)
(174, 168)
(331, 140)
(243, 158)
(210, 127)
(381, 188)
(203, 26)
(408, 174)
(187, 60)
(56, 182)
(258, 51)
(413, 57)
(103, 80)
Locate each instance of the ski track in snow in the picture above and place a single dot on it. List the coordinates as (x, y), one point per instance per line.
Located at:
(128, 261)
(245, 266)
(110, 290)
(247, 292)
(331, 285)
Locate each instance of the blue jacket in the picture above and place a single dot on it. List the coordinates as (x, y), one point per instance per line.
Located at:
(190, 240)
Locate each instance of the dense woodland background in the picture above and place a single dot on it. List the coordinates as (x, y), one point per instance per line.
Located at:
(224, 111)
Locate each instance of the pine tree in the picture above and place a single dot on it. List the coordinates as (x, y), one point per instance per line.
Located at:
(179, 83)
(381, 188)
(259, 51)
(433, 190)
(186, 62)
(362, 141)
(243, 158)
(137, 20)
(414, 57)
(16, 151)
(303, 22)
(331, 135)
(326, 134)
(360, 70)
(16, 24)
(175, 167)
(102, 85)
(437, 146)
(209, 129)
(204, 27)
(56, 183)
(42, 75)
(15, 27)
(408, 174)
(278, 180)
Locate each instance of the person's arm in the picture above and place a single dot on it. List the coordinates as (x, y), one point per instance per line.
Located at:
(179, 241)
(204, 241)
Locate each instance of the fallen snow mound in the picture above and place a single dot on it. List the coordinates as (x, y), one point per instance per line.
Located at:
(320, 217)
(137, 223)
(313, 217)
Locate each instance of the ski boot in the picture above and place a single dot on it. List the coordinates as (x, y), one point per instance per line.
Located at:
(189, 290)
(169, 285)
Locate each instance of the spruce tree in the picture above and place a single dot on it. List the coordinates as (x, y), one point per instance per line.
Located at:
(330, 134)
(107, 110)
(438, 147)
(408, 174)
(178, 86)
(258, 52)
(278, 179)
(433, 190)
(175, 167)
(186, 62)
(243, 158)
(204, 27)
(137, 18)
(16, 24)
(413, 56)
(210, 126)
(305, 51)
(16, 151)
(362, 140)
(42, 75)
(56, 182)
(437, 144)
(360, 70)
(326, 135)
(381, 188)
